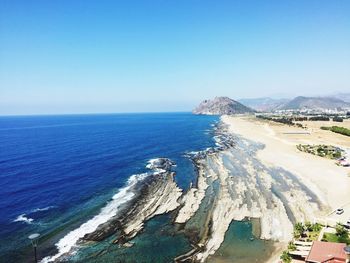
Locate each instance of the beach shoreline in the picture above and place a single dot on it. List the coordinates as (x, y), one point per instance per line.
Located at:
(254, 171)
(326, 180)
(245, 187)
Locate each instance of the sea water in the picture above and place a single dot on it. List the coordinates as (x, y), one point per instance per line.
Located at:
(58, 173)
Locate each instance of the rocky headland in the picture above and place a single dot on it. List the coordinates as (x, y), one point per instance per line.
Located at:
(221, 106)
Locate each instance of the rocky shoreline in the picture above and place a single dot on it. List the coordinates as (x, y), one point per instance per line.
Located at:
(242, 187)
(231, 184)
(157, 194)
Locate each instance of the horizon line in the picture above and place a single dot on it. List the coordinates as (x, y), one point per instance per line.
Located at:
(89, 113)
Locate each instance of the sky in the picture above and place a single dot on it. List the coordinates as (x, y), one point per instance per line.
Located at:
(167, 55)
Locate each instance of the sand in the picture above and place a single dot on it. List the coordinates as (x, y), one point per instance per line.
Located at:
(330, 182)
(247, 186)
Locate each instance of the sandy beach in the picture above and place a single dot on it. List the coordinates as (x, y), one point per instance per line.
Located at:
(329, 182)
(263, 176)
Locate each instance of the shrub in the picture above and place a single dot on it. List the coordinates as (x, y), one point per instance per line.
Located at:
(285, 257)
(292, 246)
(341, 231)
(319, 118)
(298, 230)
(337, 129)
(338, 119)
(316, 227)
(340, 130)
(308, 226)
(336, 155)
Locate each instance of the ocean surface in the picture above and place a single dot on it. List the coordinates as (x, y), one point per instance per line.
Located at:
(59, 172)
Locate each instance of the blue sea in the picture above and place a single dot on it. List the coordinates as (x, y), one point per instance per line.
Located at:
(58, 172)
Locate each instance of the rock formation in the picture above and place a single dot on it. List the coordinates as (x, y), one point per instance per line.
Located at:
(221, 106)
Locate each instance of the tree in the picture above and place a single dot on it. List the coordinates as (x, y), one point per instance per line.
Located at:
(298, 229)
(292, 246)
(285, 257)
(316, 227)
(308, 226)
(341, 231)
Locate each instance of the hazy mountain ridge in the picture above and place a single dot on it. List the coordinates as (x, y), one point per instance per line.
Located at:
(221, 106)
(342, 96)
(301, 102)
(263, 104)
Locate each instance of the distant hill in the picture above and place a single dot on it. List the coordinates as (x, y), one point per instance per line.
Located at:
(264, 104)
(221, 106)
(314, 103)
(342, 96)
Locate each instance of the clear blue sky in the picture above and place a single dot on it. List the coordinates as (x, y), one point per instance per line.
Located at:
(121, 56)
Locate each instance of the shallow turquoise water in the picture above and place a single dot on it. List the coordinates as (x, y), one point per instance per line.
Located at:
(240, 245)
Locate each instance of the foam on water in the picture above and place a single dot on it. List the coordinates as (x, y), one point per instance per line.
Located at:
(75, 158)
(43, 209)
(69, 242)
(24, 218)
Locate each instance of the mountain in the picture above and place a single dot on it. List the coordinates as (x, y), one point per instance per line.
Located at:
(221, 106)
(342, 96)
(314, 103)
(264, 104)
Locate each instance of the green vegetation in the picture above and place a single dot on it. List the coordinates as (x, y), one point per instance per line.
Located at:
(319, 118)
(298, 230)
(329, 237)
(327, 151)
(316, 227)
(285, 257)
(341, 235)
(337, 129)
(308, 230)
(341, 130)
(292, 246)
(284, 120)
(338, 119)
(340, 230)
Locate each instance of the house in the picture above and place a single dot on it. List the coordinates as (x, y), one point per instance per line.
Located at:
(327, 252)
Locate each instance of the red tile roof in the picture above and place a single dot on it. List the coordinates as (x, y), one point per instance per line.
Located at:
(326, 252)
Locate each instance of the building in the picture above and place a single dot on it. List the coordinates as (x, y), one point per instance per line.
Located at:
(327, 252)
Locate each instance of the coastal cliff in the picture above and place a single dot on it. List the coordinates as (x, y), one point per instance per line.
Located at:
(221, 106)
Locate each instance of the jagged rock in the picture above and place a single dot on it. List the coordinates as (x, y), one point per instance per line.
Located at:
(221, 106)
(156, 194)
